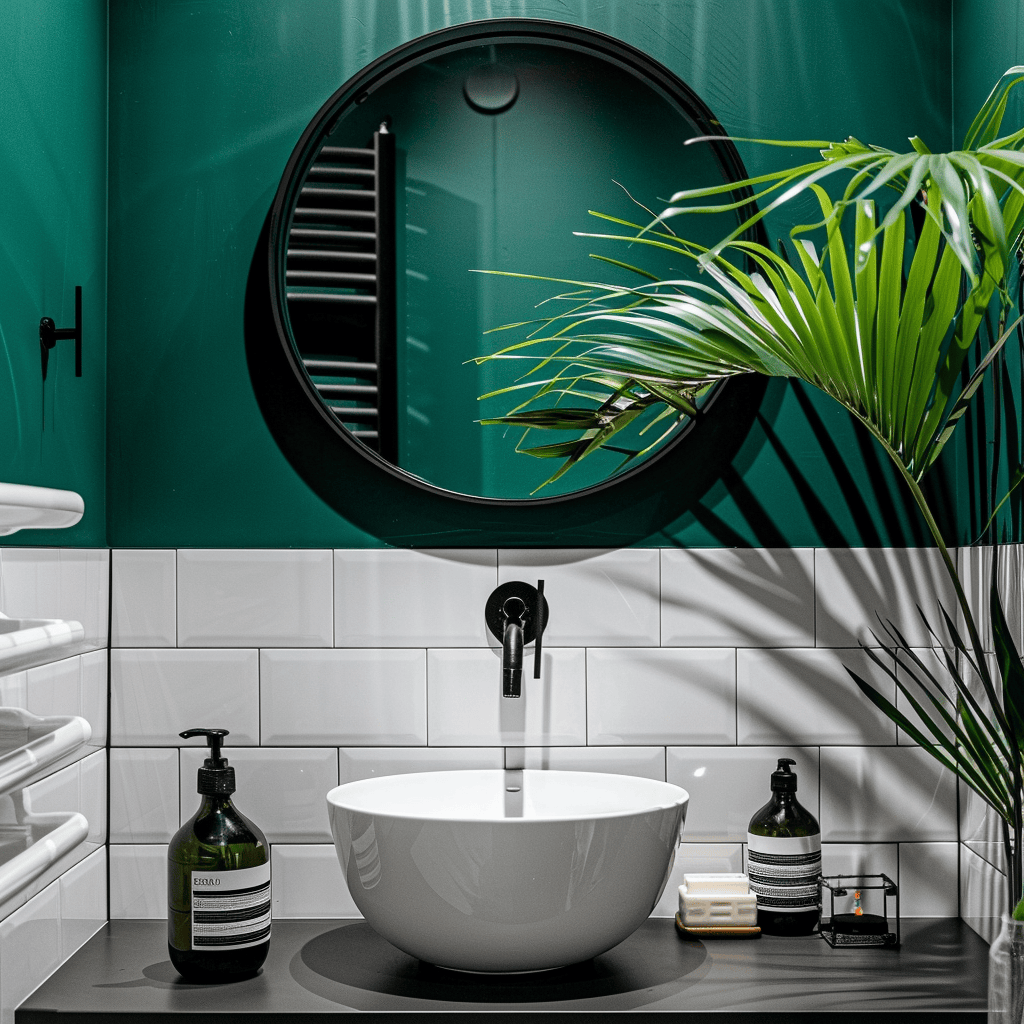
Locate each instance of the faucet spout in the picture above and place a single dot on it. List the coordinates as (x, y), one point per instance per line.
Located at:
(514, 613)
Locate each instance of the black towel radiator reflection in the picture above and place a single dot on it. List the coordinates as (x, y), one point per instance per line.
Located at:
(340, 276)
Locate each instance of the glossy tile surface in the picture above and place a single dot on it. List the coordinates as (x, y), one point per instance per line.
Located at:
(370, 762)
(143, 600)
(737, 597)
(645, 695)
(983, 894)
(975, 567)
(853, 585)
(808, 697)
(376, 697)
(403, 598)
(728, 784)
(928, 879)
(466, 708)
(643, 762)
(138, 881)
(158, 693)
(57, 583)
(307, 882)
(229, 598)
(83, 902)
(93, 682)
(143, 794)
(606, 598)
(282, 791)
(704, 858)
(884, 794)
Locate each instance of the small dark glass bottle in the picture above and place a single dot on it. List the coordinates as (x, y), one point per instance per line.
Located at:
(784, 859)
(218, 881)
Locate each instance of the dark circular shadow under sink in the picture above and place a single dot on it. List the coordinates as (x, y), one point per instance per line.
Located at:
(352, 964)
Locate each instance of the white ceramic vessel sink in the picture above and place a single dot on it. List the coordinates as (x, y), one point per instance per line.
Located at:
(501, 871)
(29, 743)
(21, 637)
(24, 507)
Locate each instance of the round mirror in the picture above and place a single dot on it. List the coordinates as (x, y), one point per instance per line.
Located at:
(478, 148)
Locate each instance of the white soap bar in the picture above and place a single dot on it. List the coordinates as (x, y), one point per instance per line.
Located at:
(721, 883)
(717, 908)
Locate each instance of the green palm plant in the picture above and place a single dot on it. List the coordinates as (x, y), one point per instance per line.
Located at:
(887, 337)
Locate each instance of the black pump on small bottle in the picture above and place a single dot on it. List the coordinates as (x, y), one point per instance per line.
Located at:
(784, 858)
(218, 880)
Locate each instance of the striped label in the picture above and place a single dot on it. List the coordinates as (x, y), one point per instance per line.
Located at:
(784, 872)
(231, 909)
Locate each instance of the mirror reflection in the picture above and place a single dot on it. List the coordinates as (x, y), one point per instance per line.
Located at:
(499, 151)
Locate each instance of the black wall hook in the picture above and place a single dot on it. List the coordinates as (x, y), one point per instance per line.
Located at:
(50, 334)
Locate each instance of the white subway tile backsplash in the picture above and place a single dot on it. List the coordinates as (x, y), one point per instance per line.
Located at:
(808, 697)
(857, 859)
(370, 762)
(884, 794)
(58, 583)
(402, 598)
(697, 858)
(30, 940)
(980, 827)
(283, 791)
(737, 597)
(854, 585)
(143, 794)
(654, 695)
(252, 597)
(83, 902)
(307, 882)
(143, 602)
(138, 881)
(606, 598)
(465, 706)
(310, 697)
(645, 762)
(158, 693)
(728, 784)
(699, 667)
(928, 879)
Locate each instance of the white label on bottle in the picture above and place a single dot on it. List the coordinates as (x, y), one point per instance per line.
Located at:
(784, 872)
(230, 909)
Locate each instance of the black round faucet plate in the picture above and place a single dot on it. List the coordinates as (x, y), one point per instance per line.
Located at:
(495, 617)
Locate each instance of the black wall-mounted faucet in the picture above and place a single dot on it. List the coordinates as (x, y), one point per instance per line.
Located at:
(517, 613)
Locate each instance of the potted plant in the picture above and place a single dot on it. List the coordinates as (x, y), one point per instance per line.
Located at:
(886, 334)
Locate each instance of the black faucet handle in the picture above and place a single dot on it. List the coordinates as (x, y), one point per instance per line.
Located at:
(540, 620)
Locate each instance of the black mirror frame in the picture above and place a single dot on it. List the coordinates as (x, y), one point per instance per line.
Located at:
(403, 509)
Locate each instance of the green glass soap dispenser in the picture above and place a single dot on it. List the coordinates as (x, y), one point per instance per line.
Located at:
(784, 859)
(218, 880)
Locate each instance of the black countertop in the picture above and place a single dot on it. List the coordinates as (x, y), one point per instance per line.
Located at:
(317, 968)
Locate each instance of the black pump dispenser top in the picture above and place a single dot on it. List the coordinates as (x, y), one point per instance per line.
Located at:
(216, 777)
(784, 780)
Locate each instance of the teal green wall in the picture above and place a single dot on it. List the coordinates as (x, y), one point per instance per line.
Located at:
(207, 99)
(987, 40)
(53, 159)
